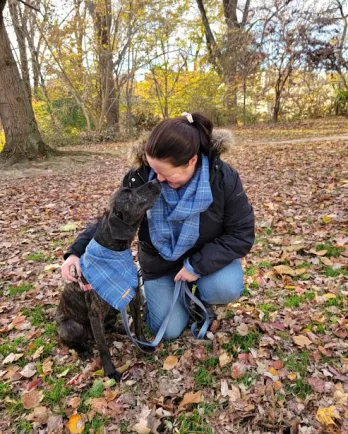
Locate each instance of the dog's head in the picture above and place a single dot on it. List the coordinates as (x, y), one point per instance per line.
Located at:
(128, 207)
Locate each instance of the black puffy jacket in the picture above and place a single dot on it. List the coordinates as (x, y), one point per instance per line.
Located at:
(226, 230)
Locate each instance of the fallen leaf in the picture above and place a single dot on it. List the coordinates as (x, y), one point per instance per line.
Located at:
(238, 370)
(76, 424)
(37, 353)
(301, 340)
(75, 402)
(224, 359)
(234, 394)
(224, 388)
(64, 373)
(284, 269)
(55, 424)
(32, 399)
(12, 358)
(243, 329)
(330, 296)
(141, 427)
(29, 370)
(52, 267)
(47, 366)
(292, 377)
(191, 398)
(325, 415)
(170, 363)
(317, 384)
(125, 367)
(69, 227)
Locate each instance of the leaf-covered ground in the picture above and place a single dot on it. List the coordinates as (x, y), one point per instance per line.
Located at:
(275, 362)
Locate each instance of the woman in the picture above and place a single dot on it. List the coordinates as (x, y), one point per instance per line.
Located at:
(198, 229)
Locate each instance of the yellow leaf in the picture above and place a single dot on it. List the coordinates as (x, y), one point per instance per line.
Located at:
(52, 267)
(300, 271)
(290, 287)
(301, 341)
(191, 398)
(170, 362)
(284, 269)
(327, 219)
(292, 377)
(328, 296)
(76, 424)
(273, 371)
(68, 227)
(325, 415)
(124, 367)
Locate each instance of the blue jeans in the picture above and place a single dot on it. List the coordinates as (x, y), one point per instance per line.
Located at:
(222, 287)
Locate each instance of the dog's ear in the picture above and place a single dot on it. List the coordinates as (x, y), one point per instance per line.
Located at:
(119, 229)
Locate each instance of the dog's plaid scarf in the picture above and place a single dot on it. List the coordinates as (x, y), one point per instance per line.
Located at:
(174, 218)
(112, 275)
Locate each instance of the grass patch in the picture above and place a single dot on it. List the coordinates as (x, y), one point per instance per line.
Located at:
(21, 289)
(36, 315)
(36, 257)
(203, 378)
(338, 301)
(196, 421)
(293, 301)
(250, 271)
(40, 342)
(212, 362)
(243, 343)
(332, 252)
(331, 272)
(267, 309)
(58, 392)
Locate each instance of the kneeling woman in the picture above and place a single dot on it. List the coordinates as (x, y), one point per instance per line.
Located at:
(198, 229)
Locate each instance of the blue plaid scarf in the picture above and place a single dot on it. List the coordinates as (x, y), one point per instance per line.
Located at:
(112, 275)
(174, 218)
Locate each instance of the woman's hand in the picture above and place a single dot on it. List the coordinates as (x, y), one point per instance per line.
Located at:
(185, 276)
(71, 261)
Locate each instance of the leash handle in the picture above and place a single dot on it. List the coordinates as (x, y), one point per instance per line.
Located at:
(181, 289)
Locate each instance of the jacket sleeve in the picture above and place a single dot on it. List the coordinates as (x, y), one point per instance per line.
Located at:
(238, 232)
(78, 247)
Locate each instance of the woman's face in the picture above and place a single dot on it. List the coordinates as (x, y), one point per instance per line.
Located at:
(175, 177)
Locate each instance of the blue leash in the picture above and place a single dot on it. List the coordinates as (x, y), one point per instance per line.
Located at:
(181, 290)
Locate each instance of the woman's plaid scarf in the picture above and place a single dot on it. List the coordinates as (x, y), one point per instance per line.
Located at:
(111, 274)
(174, 218)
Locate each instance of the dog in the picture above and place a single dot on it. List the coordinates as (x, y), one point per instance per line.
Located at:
(83, 315)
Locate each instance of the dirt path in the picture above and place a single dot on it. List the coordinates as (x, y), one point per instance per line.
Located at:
(331, 138)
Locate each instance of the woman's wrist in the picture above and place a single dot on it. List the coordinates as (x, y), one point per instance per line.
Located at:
(190, 269)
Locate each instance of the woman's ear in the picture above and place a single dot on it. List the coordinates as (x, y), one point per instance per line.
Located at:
(193, 160)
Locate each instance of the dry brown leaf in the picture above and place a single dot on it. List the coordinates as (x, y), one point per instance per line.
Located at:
(224, 359)
(191, 398)
(317, 384)
(141, 427)
(301, 340)
(234, 394)
(37, 353)
(40, 414)
(29, 370)
(243, 329)
(110, 395)
(47, 366)
(75, 402)
(170, 363)
(12, 358)
(238, 370)
(76, 424)
(284, 269)
(326, 415)
(32, 399)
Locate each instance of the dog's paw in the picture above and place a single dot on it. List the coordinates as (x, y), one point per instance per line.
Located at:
(115, 375)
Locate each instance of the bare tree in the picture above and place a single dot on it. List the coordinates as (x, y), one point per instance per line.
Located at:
(23, 139)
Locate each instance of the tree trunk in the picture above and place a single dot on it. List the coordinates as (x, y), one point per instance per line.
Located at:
(23, 139)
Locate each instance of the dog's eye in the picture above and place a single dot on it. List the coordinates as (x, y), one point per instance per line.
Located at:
(119, 215)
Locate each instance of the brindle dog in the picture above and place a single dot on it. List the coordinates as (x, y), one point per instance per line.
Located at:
(83, 315)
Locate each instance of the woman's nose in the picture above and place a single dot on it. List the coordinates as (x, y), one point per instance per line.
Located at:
(160, 178)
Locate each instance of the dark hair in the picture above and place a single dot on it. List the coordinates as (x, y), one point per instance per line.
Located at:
(178, 140)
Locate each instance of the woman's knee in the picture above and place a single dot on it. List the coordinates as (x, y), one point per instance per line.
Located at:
(224, 286)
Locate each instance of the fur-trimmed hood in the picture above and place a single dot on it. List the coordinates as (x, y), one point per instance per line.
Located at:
(222, 141)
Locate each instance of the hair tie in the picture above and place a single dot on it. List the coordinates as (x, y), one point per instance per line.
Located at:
(188, 116)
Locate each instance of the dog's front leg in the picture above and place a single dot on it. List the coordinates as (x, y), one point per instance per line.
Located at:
(97, 325)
